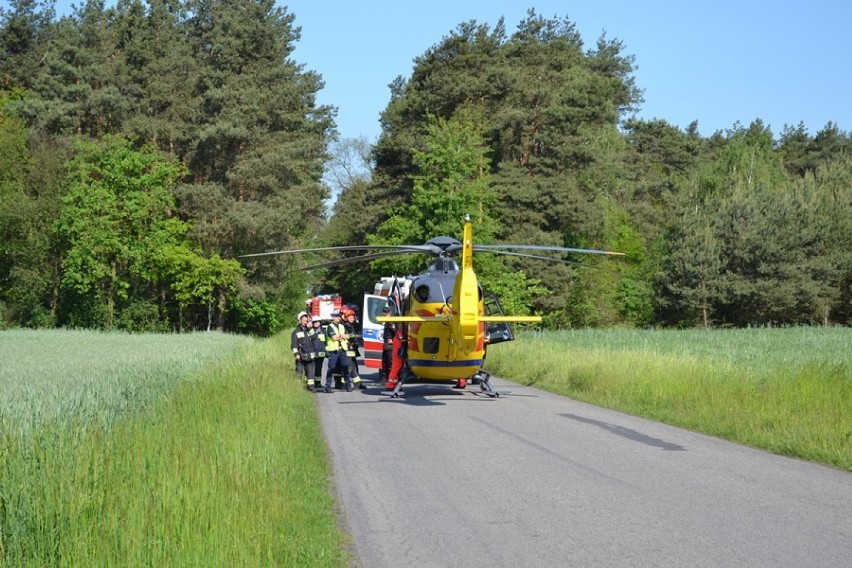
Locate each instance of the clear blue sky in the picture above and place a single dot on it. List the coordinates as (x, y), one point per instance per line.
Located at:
(719, 62)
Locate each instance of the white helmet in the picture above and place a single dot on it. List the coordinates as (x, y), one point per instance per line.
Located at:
(301, 315)
(316, 318)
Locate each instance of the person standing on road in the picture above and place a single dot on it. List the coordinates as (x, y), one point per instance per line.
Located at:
(387, 346)
(336, 344)
(319, 349)
(351, 325)
(302, 344)
(398, 357)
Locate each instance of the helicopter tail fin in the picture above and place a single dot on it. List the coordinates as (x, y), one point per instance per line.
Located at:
(466, 296)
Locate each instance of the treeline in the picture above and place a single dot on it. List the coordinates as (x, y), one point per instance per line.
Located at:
(530, 133)
(147, 145)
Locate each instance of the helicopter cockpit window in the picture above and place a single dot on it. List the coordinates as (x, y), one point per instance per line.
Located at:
(422, 293)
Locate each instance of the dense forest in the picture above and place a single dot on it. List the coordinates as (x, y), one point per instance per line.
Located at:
(147, 145)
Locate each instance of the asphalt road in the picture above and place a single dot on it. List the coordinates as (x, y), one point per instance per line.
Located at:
(450, 478)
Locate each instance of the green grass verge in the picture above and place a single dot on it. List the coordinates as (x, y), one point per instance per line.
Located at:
(228, 468)
(788, 391)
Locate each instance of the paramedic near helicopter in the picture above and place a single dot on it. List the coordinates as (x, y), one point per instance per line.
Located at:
(302, 344)
(336, 345)
(397, 357)
(387, 347)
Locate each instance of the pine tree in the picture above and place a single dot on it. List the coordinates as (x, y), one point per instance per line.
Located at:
(25, 31)
(258, 141)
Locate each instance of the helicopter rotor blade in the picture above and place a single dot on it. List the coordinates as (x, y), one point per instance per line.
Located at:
(548, 258)
(441, 246)
(360, 258)
(544, 248)
(405, 248)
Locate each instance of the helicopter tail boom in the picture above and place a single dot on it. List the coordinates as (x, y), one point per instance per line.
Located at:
(510, 319)
(486, 319)
(410, 319)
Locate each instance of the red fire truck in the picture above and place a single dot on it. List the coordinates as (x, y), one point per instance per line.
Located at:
(323, 305)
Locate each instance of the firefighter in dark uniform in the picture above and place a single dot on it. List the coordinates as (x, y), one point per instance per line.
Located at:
(302, 344)
(319, 349)
(387, 345)
(336, 345)
(350, 323)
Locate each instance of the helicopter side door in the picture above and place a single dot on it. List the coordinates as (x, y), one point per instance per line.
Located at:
(497, 332)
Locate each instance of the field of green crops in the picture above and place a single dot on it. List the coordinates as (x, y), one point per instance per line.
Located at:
(203, 449)
(159, 450)
(55, 374)
(788, 391)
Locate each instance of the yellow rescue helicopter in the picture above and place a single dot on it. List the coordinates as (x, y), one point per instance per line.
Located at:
(443, 319)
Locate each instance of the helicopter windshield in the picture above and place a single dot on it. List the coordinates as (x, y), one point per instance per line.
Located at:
(436, 287)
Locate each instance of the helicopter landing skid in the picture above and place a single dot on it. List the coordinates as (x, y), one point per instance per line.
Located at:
(397, 391)
(483, 377)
